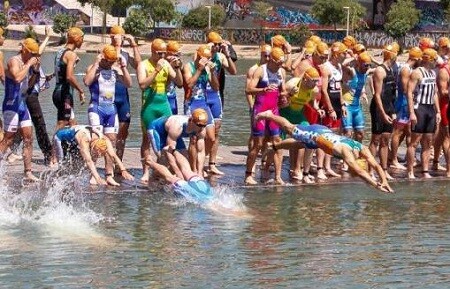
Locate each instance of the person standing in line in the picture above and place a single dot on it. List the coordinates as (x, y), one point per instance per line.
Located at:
(382, 109)
(197, 76)
(102, 78)
(424, 111)
(16, 117)
(153, 75)
(402, 125)
(66, 81)
(268, 86)
(173, 57)
(122, 98)
(222, 60)
(2, 75)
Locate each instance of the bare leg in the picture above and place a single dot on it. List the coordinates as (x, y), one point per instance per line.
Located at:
(27, 135)
(395, 144)
(426, 142)
(145, 153)
(163, 171)
(384, 152)
(122, 136)
(251, 160)
(183, 165)
(214, 149)
(410, 153)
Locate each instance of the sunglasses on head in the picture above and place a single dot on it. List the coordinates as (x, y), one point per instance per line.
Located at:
(161, 53)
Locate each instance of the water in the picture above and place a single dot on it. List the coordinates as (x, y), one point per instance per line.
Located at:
(62, 233)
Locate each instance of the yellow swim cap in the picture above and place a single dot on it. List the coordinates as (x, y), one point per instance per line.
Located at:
(338, 48)
(278, 41)
(415, 53)
(110, 53)
(312, 73)
(443, 42)
(214, 37)
(389, 52)
(277, 54)
(265, 48)
(359, 48)
(425, 43)
(31, 45)
(116, 29)
(200, 117)
(159, 45)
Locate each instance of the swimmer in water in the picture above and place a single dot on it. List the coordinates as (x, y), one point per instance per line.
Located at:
(353, 153)
(183, 180)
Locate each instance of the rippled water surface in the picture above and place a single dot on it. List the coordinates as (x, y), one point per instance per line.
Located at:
(60, 234)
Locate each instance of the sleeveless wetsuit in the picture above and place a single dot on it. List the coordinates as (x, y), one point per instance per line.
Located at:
(401, 103)
(154, 97)
(122, 98)
(102, 111)
(334, 92)
(213, 99)
(355, 116)
(388, 95)
(424, 102)
(63, 92)
(158, 134)
(294, 112)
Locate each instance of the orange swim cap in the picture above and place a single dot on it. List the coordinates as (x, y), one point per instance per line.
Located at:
(322, 49)
(359, 48)
(278, 41)
(173, 46)
(1, 31)
(443, 42)
(349, 41)
(364, 57)
(110, 53)
(99, 145)
(312, 73)
(389, 52)
(277, 54)
(200, 117)
(429, 54)
(74, 34)
(159, 45)
(265, 48)
(316, 39)
(116, 29)
(415, 53)
(204, 51)
(214, 37)
(338, 48)
(31, 45)
(425, 43)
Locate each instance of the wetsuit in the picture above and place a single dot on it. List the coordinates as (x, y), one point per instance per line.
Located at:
(267, 100)
(352, 99)
(334, 92)
(213, 99)
(424, 102)
(122, 98)
(401, 103)
(158, 134)
(388, 95)
(63, 92)
(196, 189)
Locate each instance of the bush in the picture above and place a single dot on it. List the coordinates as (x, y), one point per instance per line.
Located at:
(30, 33)
(198, 18)
(137, 23)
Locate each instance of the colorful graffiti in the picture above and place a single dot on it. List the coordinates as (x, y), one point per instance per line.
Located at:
(37, 12)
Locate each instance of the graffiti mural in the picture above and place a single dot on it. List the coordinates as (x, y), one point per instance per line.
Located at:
(37, 12)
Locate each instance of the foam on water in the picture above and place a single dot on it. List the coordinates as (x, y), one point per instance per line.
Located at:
(55, 206)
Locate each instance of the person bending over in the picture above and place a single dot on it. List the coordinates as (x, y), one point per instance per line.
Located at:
(319, 136)
(91, 145)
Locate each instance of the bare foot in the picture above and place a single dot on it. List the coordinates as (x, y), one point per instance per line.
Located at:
(321, 175)
(388, 176)
(145, 177)
(214, 170)
(295, 175)
(250, 181)
(426, 175)
(13, 157)
(332, 173)
(30, 177)
(437, 167)
(308, 180)
(111, 181)
(398, 166)
(344, 167)
(411, 176)
(279, 181)
(263, 114)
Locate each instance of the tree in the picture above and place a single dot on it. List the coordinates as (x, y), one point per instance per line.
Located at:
(106, 7)
(357, 13)
(261, 11)
(137, 23)
(159, 10)
(3, 19)
(329, 12)
(401, 18)
(29, 32)
(61, 23)
(195, 18)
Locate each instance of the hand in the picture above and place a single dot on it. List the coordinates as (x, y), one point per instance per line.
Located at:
(387, 119)
(202, 63)
(384, 187)
(333, 115)
(413, 119)
(438, 118)
(287, 48)
(99, 58)
(130, 39)
(118, 39)
(344, 111)
(127, 176)
(321, 113)
(161, 64)
(82, 97)
(364, 97)
(224, 49)
(34, 61)
(272, 87)
(122, 61)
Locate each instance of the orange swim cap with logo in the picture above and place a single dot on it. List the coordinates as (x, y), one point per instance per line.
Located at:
(99, 145)
(214, 37)
(173, 46)
(278, 41)
(31, 45)
(200, 117)
(204, 51)
(159, 45)
(365, 58)
(277, 54)
(110, 53)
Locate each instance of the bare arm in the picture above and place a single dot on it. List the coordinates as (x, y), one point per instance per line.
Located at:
(213, 80)
(18, 73)
(45, 41)
(136, 59)
(92, 72)
(251, 87)
(2, 69)
(83, 143)
(412, 82)
(201, 152)
(126, 77)
(111, 152)
(145, 80)
(378, 78)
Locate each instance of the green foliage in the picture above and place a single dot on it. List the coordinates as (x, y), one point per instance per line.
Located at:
(357, 13)
(261, 9)
(137, 23)
(401, 18)
(3, 19)
(62, 22)
(29, 32)
(328, 12)
(195, 18)
(299, 35)
(445, 4)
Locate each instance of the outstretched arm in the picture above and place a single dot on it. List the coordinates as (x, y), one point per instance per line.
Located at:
(162, 171)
